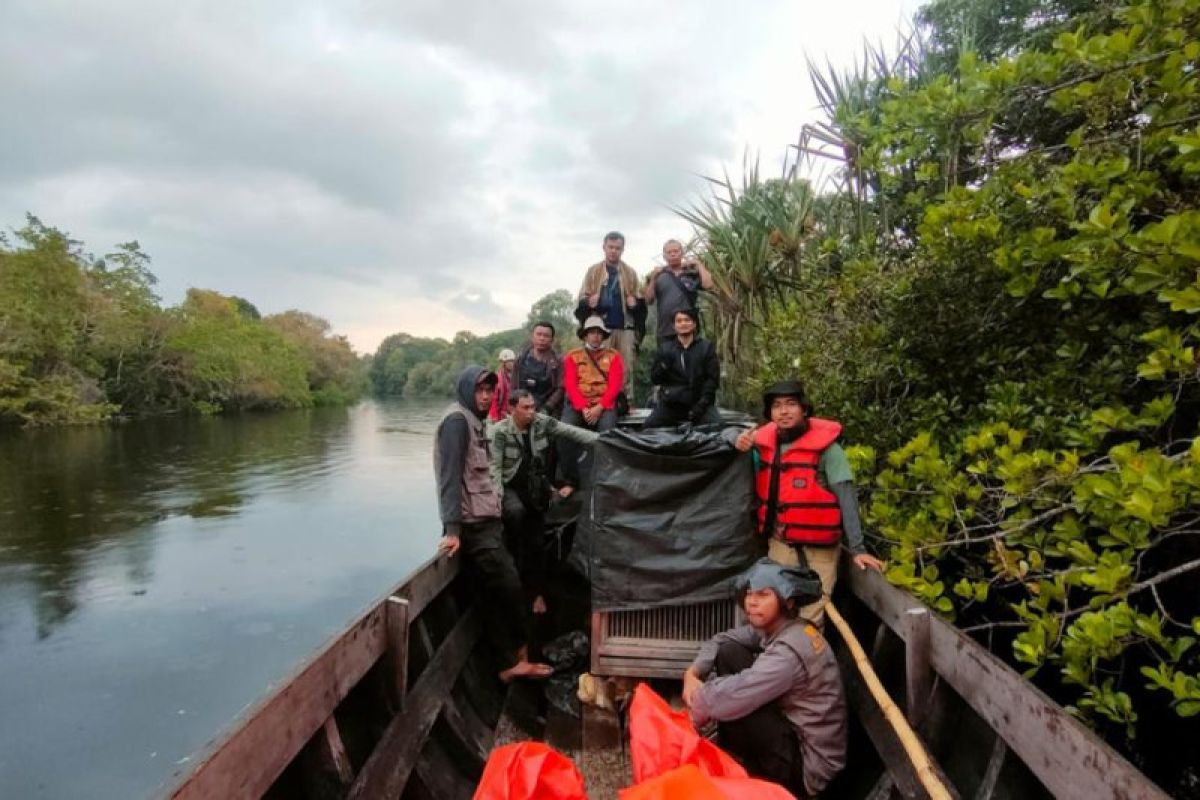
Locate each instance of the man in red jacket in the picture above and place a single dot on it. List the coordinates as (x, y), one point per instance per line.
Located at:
(592, 378)
(806, 499)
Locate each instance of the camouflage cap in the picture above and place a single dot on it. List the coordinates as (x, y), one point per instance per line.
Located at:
(800, 583)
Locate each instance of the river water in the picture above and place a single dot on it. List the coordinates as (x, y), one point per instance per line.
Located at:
(156, 578)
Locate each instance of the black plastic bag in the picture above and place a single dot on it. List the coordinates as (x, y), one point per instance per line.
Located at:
(568, 654)
(668, 520)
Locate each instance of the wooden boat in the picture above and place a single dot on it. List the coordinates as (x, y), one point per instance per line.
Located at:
(404, 703)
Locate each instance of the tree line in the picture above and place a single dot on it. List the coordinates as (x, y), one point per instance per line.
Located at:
(997, 293)
(85, 338)
(413, 367)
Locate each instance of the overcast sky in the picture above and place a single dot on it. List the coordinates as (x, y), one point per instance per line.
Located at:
(411, 165)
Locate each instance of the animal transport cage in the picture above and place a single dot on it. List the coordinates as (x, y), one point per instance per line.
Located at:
(657, 642)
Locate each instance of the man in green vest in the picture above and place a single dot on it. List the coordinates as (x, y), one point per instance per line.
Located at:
(469, 506)
(519, 468)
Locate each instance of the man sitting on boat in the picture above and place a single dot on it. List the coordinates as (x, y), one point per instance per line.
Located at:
(539, 369)
(773, 684)
(688, 373)
(806, 499)
(520, 446)
(469, 505)
(593, 376)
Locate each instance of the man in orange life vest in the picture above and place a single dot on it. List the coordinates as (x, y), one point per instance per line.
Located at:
(807, 503)
(592, 378)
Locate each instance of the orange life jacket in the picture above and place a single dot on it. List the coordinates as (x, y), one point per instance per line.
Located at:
(807, 512)
(592, 370)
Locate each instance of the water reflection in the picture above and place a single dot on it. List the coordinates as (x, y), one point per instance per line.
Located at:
(157, 577)
(63, 493)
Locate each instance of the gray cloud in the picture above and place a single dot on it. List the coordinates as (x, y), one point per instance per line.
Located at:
(209, 92)
(421, 163)
(525, 36)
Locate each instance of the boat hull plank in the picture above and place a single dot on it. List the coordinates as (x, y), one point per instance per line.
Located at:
(389, 766)
(882, 735)
(1069, 759)
(427, 584)
(397, 611)
(474, 736)
(991, 775)
(442, 775)
(484, 689)
(326, 764)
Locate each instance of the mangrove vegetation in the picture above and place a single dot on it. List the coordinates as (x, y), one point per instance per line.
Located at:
(84, 338)
(993, 278)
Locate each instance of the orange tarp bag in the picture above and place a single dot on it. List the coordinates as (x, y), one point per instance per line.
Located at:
(661, 739)
(690, 783)
(529, 771)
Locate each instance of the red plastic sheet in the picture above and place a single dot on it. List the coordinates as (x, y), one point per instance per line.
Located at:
(661, 739)
(670, 762)
(529, 771)
(690, 783)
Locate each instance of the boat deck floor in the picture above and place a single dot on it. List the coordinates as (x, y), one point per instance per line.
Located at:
(595, 741)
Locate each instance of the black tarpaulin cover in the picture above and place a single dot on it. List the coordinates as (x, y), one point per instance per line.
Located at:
(668, 521)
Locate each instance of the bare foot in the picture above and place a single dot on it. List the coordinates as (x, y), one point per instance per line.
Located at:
(539, 605)
(526, 669)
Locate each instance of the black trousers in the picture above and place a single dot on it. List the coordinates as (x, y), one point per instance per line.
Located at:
(764, 741)
(525, 538)
(506, 617)
(574, 460)
(665, 416)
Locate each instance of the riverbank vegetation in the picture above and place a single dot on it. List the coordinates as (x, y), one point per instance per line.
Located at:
(84, 338)
(996, 290)
(411, 366)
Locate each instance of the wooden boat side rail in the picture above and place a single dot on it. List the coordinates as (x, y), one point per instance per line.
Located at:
(272, 733)
(1068, 758)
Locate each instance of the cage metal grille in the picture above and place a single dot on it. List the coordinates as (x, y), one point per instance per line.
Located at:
(692, 623)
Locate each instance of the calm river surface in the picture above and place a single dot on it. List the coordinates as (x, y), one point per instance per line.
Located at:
(158, 577)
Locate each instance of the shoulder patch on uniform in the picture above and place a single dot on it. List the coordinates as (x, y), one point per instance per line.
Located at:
(815, 637)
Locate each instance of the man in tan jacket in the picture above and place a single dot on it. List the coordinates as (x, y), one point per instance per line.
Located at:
(610, 291)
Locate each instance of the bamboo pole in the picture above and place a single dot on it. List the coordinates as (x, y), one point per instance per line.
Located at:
(912, 745)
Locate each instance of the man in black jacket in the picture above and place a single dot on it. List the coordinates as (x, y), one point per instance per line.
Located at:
(688, 373)
(539, 369)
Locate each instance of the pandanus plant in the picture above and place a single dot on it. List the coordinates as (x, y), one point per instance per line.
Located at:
(751, 236)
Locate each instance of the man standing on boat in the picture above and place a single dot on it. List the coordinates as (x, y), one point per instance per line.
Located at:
(688, 373)
(675, 287)
(772, 685)
(592, 378)
(520, 471)
(470, 510)
(807, 504)
(539, 369)
(610, 291)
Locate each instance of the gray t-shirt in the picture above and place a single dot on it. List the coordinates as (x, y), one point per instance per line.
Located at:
(671, 294)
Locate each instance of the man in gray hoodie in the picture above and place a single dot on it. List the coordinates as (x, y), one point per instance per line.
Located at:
(469, 506)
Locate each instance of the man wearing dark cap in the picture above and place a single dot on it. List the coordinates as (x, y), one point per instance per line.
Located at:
(773, 684)
(807, 505)
(469, 505)
(687, 371)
